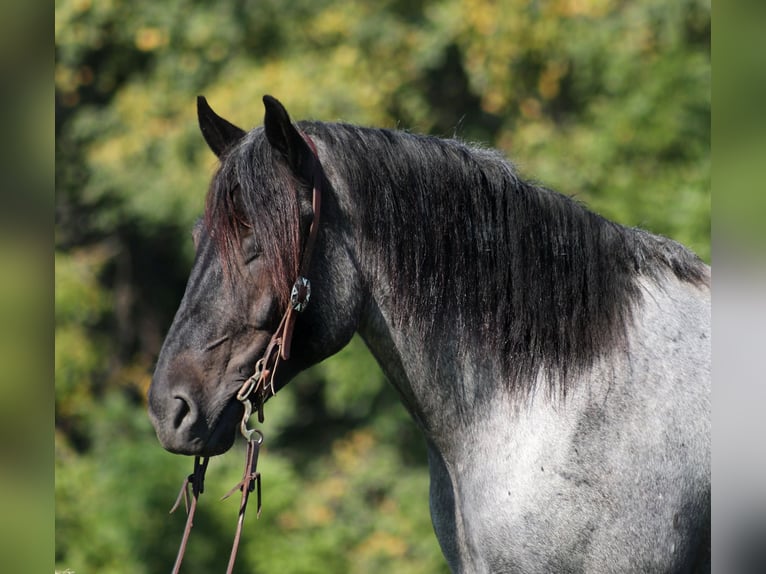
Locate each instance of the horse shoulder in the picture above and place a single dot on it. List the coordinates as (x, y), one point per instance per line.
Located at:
(615, 476)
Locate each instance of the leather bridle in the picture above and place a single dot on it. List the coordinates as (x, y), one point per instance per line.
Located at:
(260, 385)
(258, 388)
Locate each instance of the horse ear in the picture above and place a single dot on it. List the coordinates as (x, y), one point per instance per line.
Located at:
(283, 137)
(219, 133)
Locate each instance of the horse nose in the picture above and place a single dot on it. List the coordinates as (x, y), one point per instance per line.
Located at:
(177, 422)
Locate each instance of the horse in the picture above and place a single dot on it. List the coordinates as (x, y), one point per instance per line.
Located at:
(556, 362)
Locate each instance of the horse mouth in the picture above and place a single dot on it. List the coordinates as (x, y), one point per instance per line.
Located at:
(224, 431)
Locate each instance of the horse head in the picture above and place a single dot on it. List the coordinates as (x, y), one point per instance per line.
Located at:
(249, 250)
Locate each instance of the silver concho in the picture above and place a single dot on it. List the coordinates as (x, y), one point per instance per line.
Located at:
(301, 294)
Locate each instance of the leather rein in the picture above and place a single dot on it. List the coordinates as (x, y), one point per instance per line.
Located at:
(257, 389)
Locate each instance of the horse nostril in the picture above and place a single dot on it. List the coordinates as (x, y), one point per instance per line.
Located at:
(184, 412)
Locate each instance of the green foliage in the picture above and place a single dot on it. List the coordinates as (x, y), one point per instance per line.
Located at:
(353, 381)
(603, 100)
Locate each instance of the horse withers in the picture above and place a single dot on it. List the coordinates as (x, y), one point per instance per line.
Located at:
(557, 363)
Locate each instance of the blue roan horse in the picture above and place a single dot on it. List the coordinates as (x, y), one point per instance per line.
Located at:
(557, 363)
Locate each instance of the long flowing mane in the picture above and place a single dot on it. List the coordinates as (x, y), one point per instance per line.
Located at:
(467, 246)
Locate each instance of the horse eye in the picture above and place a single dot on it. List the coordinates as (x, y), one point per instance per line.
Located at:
(250, 249)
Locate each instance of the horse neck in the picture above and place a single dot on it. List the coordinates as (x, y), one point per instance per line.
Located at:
(443, 390)
(476, 282)
(446, 385)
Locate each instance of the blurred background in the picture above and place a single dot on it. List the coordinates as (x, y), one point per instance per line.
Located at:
(604, 100)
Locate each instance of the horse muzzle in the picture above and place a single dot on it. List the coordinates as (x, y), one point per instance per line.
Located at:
(183, 427)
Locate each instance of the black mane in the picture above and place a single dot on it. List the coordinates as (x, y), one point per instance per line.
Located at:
(468, 247)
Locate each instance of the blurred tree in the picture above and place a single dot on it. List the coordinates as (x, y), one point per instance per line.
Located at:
(600, 99)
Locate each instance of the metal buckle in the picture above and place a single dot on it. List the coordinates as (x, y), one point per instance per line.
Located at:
(301, 294)
(243, 396)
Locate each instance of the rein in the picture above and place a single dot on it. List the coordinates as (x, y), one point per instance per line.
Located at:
(257, 388)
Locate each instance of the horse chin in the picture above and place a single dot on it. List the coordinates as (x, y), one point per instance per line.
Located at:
(224, 432)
